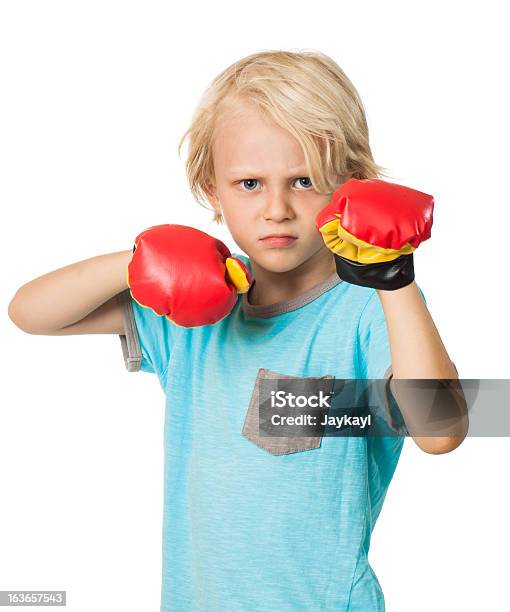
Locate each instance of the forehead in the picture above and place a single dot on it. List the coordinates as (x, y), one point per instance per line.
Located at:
(244, 136)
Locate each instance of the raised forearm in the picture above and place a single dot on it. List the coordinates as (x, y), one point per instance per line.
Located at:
(68, 294)
(417, 352)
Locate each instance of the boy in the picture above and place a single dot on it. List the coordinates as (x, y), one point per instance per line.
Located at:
(250, 524)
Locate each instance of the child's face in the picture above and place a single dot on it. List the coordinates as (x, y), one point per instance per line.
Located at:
(261, 187)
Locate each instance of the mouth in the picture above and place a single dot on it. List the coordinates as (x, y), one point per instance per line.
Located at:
(278, 240)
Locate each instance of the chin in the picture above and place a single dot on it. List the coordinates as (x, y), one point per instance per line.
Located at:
(278, 261)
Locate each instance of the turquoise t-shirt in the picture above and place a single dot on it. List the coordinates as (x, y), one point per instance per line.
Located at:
(247, 529)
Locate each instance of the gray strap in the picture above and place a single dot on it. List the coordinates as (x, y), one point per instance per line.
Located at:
(129, 341)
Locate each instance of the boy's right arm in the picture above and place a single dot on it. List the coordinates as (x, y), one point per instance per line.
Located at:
(174, 269)
(77, 299)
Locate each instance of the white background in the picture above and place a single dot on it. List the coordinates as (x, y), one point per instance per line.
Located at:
(95, 96)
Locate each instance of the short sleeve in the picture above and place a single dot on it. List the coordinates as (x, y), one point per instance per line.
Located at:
(148, 338)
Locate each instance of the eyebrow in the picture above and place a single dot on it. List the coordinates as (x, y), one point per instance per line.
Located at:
(252, 172)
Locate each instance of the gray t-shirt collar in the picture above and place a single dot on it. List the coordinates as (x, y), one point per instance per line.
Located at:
(270, 310)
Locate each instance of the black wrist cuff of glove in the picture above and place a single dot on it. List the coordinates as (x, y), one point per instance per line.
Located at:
(387, 275)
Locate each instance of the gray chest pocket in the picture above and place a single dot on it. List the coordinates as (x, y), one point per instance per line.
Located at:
(257, 408)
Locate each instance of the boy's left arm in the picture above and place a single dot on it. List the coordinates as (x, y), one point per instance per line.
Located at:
(417, 352)
(373, 228)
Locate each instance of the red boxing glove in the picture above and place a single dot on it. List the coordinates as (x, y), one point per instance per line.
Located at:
(373, 227)
(185, 275)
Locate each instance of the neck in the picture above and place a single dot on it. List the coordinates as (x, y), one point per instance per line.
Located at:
(272, 287)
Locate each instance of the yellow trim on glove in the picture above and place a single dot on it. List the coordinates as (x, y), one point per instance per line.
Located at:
(237, 275)
(341, 242)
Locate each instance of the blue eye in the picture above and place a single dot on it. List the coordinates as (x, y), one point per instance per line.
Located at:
(249, 181)
(305, 178)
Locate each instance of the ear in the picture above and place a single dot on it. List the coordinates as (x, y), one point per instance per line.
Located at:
(210, 191)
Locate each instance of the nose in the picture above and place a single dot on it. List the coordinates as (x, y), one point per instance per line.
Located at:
(277, 206)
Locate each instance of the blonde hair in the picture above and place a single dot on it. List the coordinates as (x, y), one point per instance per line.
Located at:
(304, 92)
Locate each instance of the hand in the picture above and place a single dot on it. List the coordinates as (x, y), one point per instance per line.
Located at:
(185, 275)
(373, 227)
